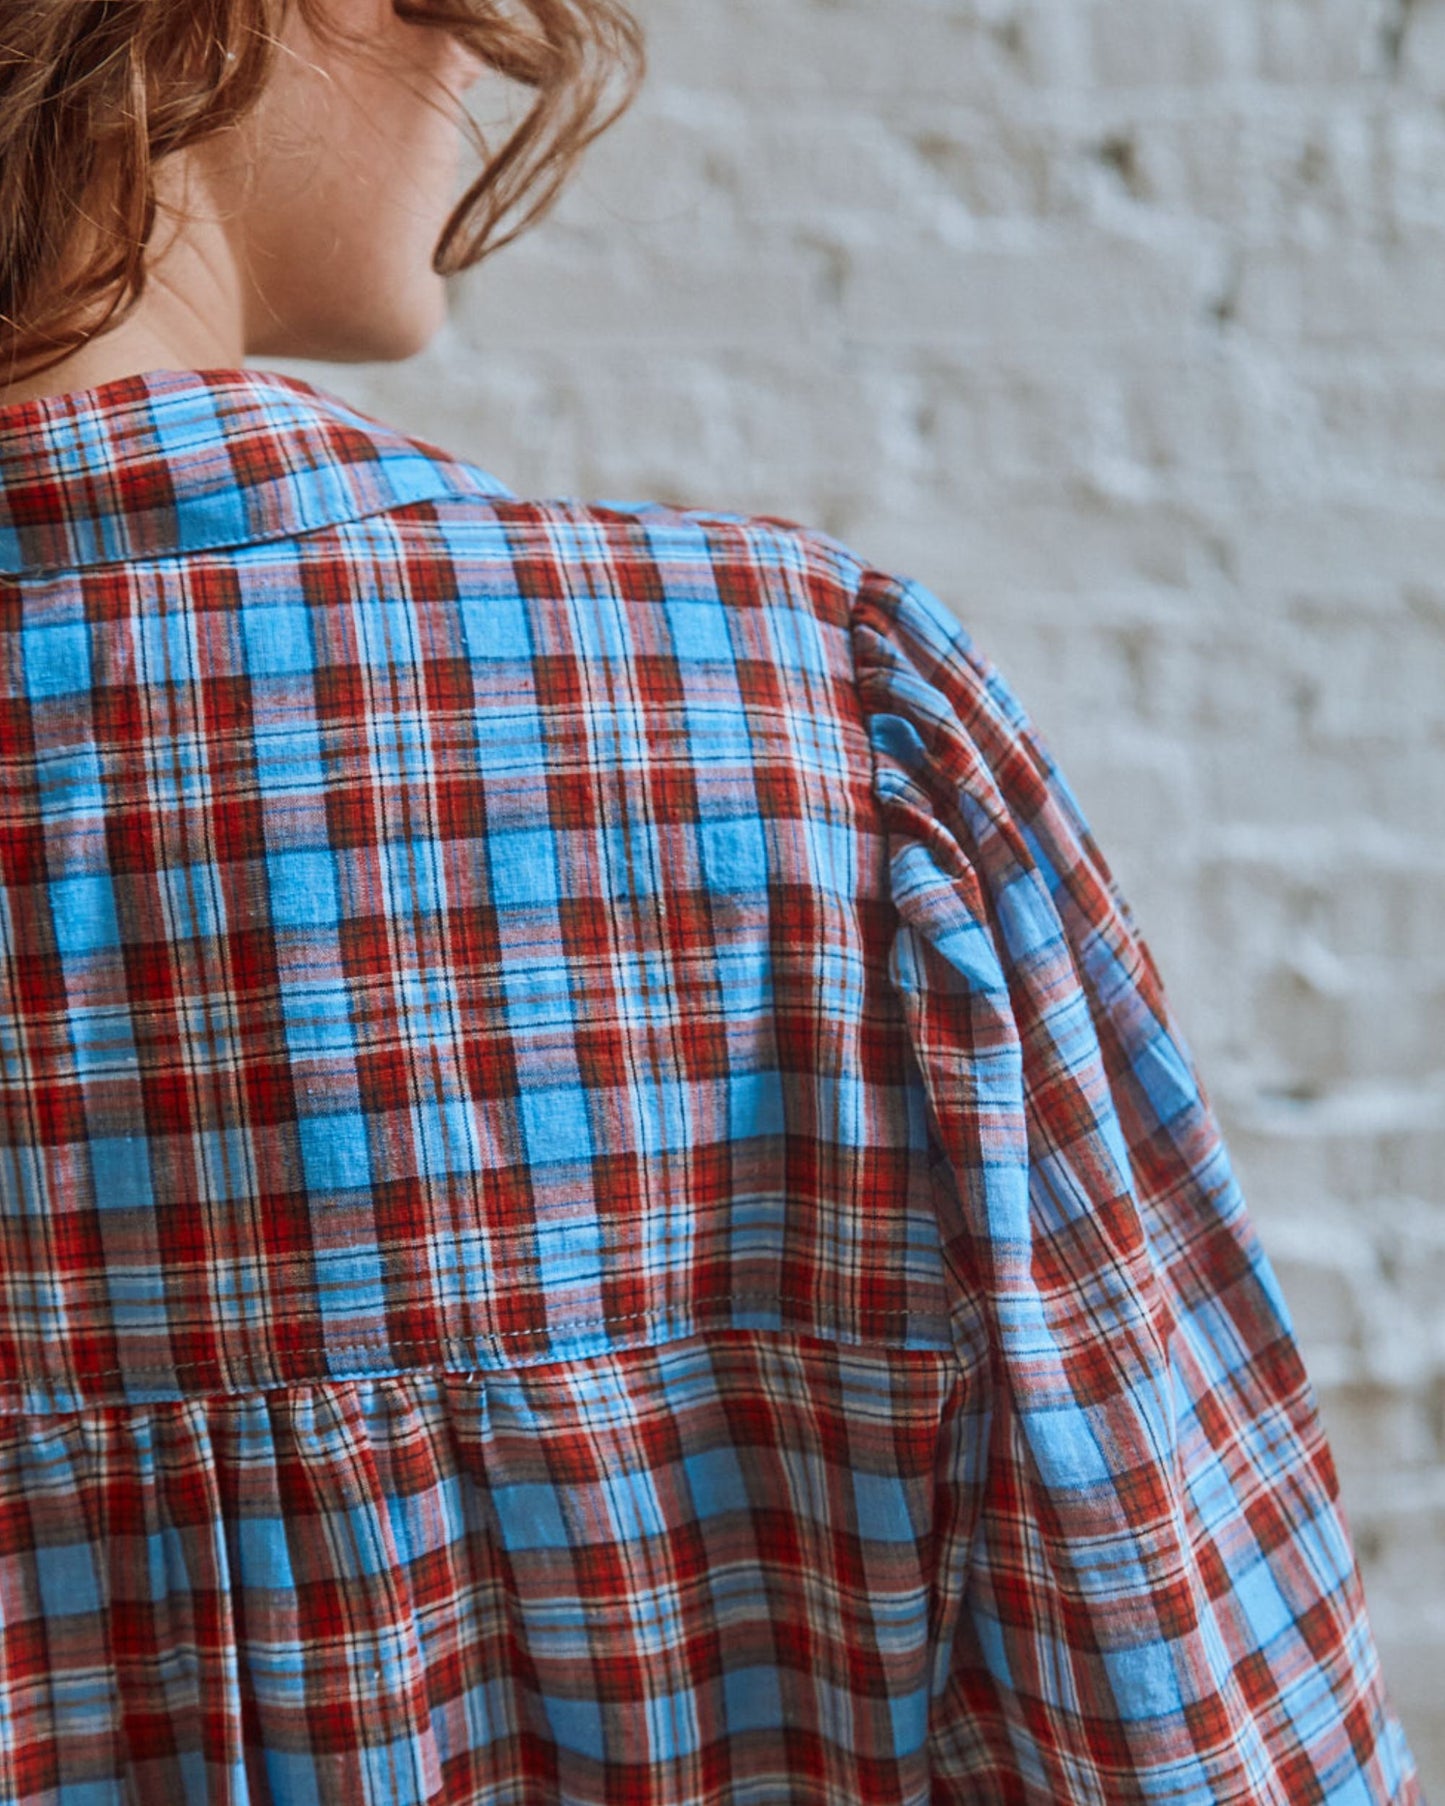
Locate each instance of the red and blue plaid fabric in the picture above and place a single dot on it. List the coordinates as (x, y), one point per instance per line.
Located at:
(599, 1198)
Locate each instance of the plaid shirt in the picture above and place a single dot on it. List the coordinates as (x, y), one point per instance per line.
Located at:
(599, 1198)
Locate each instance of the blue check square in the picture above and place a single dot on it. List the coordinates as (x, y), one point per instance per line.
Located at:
(83, 909)
(120, 1167)
(278, 640)
(524, 866)
(555, 1124)
(734, 855)
(334, 1152)
(57, 659)
(754, 1700)
(700, 630)
(495, 627)
(303, 889)
(530, 1516)
(67, 1580)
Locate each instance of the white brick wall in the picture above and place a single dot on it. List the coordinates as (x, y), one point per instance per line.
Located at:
(1122, 325)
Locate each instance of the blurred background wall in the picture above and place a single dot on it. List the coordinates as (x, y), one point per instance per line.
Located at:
(1121, 325)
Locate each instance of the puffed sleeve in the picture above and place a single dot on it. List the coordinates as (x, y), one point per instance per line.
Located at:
(1150, 1592)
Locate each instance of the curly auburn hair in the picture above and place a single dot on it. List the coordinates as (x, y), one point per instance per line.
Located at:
(94, 92)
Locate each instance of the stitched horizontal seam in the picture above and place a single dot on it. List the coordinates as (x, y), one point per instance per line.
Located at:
(477, 1375)
(506, 1335)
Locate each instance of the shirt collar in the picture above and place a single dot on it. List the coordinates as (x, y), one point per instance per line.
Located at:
(189, 460)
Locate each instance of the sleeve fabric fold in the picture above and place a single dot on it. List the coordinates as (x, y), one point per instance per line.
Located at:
(1154, 1595)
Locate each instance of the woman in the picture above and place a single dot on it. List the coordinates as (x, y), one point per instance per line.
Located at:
(600, 1198)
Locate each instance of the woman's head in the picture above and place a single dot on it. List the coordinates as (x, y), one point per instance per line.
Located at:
(317, 141)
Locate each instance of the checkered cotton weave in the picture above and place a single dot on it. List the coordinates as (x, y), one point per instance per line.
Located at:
(599, 1198)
